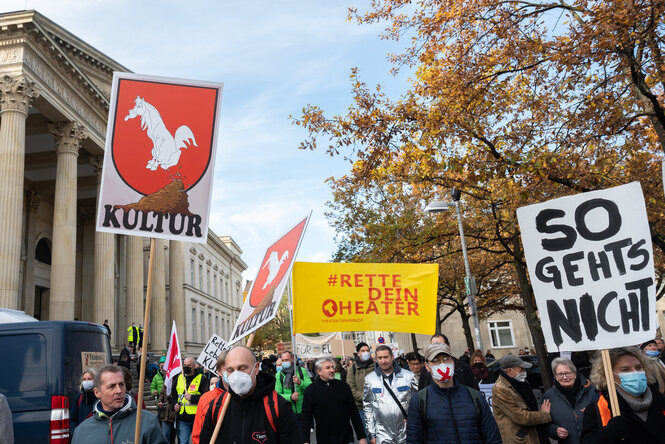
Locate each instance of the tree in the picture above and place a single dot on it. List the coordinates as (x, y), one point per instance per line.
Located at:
(275, 331)
(515, 102)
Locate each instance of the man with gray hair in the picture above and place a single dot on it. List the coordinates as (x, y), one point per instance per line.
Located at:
(330, 402)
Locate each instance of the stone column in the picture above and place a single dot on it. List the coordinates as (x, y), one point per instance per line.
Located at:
(16, 94)
(134, 307)
(104, 288)
(68, 137)
(158, 319)
(176, 284)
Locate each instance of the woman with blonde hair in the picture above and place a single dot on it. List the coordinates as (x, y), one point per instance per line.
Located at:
(81, 408)
(642, 406)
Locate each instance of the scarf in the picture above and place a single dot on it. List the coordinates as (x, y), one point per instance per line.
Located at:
(287, 383)
(480, 372)
(638, 405)
(362, 364)
(570, 393)
(88, 397)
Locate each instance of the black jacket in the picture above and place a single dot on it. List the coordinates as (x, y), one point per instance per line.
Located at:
(463, 376)
(332, 406)
(628, 427)
(246, 421)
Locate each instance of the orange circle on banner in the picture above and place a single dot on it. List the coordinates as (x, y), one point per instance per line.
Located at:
(145, 145)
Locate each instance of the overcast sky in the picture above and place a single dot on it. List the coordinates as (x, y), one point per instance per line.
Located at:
(274, 58)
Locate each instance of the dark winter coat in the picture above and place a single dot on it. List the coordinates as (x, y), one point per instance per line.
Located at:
(332, 406)
(246, 421)
(628, 427)
(567, 416)
(451, 418)
(463, 376)
(81, 408)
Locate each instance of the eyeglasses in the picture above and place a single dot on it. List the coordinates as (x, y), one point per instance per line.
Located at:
(565, 375)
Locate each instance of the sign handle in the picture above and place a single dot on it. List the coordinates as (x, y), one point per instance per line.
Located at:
(220, 419)
(609, 377)
(146, 332)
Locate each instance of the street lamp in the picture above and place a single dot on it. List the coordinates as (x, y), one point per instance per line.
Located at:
(439, 206)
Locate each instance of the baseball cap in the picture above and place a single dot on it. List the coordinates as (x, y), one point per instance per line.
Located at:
(162, 359)
(433, 350)
(511, 360)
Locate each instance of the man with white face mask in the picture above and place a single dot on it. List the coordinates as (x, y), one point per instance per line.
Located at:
(515, 407)
(446, 411)
(256, 413)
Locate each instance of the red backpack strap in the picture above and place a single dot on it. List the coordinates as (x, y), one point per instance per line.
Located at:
(79, 400)
(217, 405)
(272, 410)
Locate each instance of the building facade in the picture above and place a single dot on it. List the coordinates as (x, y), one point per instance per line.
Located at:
(54, 103)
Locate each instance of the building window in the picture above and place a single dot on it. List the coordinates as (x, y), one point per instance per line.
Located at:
(203, 326)
(214, 285)
(501, 334)
(191, 272)
(200, 277)
(226, 292)
(217, 332)
(209, 325)
(208, 288)
(193, 324)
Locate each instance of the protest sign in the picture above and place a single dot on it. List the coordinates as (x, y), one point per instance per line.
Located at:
(591, 265)
(263, 299)
(486, 389)
(364, 297)
(208, 356)
(159, 157)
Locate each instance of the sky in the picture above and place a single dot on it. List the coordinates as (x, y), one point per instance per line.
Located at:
(274, 58)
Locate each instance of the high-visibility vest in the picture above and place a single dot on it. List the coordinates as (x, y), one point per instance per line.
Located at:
(130, 334)
(185, 405)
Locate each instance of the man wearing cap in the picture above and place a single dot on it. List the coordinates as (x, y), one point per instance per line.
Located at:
(515, 407)
(446, 411)
(158, 380)
(463, 373)
(362, 365)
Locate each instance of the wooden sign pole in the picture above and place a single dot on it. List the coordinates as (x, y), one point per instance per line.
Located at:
(144, 349)
(611, 388)
(220, 419)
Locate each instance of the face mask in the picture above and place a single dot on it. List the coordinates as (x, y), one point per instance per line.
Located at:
(241, 382)
(443, 372)
(364, 356)
(521, 377)
(633, 383)
(225, 377)
(187, 370)
(478, 365)
(286, 365)
(279, 368)
(87, 385)
(653, 353)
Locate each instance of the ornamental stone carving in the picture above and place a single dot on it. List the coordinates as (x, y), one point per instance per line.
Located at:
(68, 137)
(16, 94)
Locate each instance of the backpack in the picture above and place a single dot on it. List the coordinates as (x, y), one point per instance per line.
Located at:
(422, 407)
(270, 406)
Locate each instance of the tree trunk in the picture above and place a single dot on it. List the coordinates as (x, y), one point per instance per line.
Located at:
(531, 316)
(467, 330)
(414, 343)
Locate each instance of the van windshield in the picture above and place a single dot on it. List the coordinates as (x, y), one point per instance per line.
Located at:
(87, 350)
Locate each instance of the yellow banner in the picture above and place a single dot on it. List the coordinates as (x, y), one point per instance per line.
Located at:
(364, 297)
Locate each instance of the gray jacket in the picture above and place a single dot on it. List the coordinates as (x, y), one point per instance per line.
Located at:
(567, 416)
(119, 428)
(385, 420)
(6, 426)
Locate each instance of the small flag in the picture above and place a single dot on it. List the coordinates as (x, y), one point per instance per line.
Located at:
(173, 364)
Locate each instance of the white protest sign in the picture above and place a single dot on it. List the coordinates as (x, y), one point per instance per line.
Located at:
(486, 389)
(590, 260)
(208, 356)
(311, 350)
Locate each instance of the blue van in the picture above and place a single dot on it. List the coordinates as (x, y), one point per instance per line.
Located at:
(40, 374)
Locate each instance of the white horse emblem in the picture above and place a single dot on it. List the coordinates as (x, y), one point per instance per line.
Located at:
(166, 148)
(274, 263)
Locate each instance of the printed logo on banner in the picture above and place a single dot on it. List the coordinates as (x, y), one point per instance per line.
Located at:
(591, 265)
(266, 293)
(157, 167)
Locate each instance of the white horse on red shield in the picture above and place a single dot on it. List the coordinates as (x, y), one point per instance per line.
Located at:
(166, 148)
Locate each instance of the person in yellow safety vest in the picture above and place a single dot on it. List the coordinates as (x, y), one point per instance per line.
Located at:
(189, 386)
(132, 336)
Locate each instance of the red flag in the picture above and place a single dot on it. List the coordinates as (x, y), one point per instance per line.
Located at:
(173, 364)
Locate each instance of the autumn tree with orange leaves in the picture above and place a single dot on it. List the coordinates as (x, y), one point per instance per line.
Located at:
(514, 102)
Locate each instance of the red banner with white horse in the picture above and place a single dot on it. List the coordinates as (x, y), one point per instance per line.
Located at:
(159, 159)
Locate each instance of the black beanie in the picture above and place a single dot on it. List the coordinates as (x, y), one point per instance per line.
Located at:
(361, 345)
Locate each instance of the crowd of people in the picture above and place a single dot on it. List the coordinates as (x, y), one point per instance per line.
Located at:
(429, 397)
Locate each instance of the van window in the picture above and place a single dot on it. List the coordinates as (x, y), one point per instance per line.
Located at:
(85, 347)
(24, 368)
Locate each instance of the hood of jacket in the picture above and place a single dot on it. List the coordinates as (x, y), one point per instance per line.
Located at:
(396, 369)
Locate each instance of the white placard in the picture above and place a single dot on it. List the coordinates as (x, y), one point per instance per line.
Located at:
(208, 356)
(590, 260)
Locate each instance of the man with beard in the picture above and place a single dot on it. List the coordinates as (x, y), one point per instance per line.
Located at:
(189, 386)
(515, 407)
(355, 376)
(255, 413)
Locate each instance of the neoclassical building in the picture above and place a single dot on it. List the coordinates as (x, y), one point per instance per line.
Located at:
(54, 102)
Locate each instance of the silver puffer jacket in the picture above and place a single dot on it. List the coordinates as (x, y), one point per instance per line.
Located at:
(385, 420)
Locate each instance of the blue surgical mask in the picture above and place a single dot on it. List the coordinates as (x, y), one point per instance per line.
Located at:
(364, 356)
(279, 368)
(87, 385)
(225, 377)
(633, 383)
(652, 353)
(286, 365)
